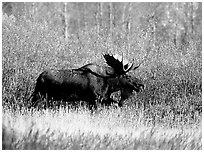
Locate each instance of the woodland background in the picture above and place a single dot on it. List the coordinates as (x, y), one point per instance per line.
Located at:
(165, 37)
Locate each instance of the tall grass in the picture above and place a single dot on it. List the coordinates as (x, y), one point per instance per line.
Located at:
(166, 115)
(107, 129)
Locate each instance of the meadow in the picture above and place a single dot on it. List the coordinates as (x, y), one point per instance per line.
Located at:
(106, 129)
(167, 114)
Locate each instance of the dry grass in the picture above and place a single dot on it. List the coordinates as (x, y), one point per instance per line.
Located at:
(166, 115)
(106, 129)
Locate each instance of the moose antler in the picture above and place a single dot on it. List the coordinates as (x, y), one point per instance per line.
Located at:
(118, 63)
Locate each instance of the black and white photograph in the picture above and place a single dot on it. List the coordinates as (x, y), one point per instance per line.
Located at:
(101, 75)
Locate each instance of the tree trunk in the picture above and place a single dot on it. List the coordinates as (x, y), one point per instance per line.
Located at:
(101, 14)
(84, 17)
(123, 17)
(78, 19)
(129, 25)
(97, 17)
(33, 11)
(192, 26)
(111, 17)
(66, 20)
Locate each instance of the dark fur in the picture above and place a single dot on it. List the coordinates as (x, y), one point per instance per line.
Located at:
(90, 83)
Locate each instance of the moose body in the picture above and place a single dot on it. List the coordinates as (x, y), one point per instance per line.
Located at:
(68, 85)
(91, 83)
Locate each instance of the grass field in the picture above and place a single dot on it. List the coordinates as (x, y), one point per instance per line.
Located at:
(106, 129)
(166, 115)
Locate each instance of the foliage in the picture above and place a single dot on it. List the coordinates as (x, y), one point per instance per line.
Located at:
(171, 72)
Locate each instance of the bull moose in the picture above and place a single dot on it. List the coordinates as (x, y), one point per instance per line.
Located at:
(92, 83)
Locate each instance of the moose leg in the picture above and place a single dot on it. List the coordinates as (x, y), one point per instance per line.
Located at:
(35, 99)
(92, 103)
(125, 94)
(92, 106)
(40, 100)
(108, 102)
